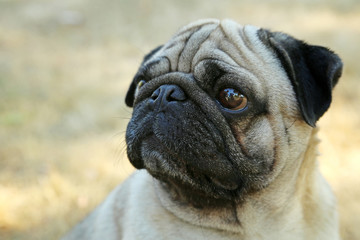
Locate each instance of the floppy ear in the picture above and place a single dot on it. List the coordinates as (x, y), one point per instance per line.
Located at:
(129, 99)
(313, 72)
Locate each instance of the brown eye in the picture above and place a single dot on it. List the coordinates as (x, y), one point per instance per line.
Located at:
(232, 99)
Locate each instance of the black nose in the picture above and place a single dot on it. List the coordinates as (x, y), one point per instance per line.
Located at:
(165, 95)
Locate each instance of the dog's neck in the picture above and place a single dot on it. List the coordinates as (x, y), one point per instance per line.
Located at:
(283, 200)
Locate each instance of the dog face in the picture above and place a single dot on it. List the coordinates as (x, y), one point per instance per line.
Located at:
(220, 110)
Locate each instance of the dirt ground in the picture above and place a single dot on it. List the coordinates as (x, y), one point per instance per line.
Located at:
(65, 66)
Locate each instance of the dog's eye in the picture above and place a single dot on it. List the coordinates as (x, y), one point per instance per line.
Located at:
(232, 99)
(139, 85)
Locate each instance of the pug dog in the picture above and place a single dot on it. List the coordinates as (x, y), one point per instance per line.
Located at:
(223, 133)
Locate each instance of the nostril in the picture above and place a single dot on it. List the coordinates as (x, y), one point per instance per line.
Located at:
(155, 94)
(164, 95)
(176, 94)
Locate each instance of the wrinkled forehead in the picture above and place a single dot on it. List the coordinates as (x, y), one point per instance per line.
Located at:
(211, 48)
(224, 41)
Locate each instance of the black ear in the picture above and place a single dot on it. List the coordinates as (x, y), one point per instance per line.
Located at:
(129, 99)
(313, 71)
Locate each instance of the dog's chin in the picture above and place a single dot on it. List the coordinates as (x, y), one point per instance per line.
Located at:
(184, 180)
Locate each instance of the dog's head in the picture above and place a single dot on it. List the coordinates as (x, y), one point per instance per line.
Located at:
(221, 109)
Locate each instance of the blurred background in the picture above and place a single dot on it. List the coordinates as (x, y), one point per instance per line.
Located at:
(65, 66)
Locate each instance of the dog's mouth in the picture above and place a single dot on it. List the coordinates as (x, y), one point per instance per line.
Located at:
(200, 172)
(190, 177)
